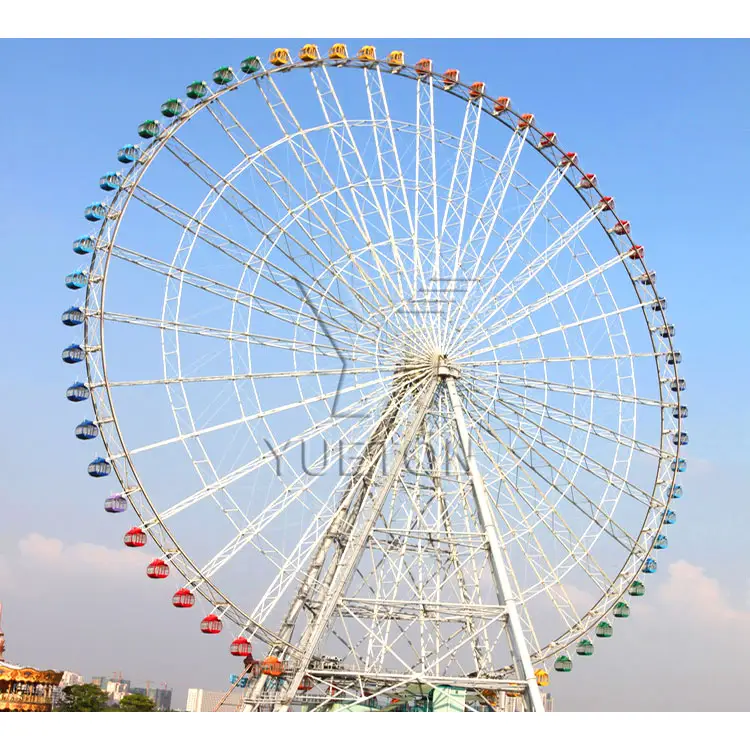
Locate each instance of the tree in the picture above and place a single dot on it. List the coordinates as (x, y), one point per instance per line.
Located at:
(136, 703)
(83, 698)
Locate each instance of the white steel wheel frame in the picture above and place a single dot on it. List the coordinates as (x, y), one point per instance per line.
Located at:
(655, 500)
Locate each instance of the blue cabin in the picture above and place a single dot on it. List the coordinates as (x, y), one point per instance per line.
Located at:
(650, 566)
(77, 392)
(667, 331)
(73, 316)
(73, 354)
(127, 154)
(660, 305)
(670, 518)
(84, 245)
(76, 280)
(648, 278)
(110, 181)
(661, 542)
(87, 430)
(680, 438)
(678, 384)
(115, 504)
(95, 212)
(673, 358)
(680, 412)
(99, 467)
(676, 492)
(679, 464)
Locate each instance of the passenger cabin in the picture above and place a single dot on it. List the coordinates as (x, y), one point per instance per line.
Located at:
(396, 59)
(450, 78)
(135, 537)
(171, 108)
(280, 56)
(502, 104)
(587, 182)
(660, 305)
(76, 280)
(77, 392)
(95, 212)
(636, 252)
(548, 140)
(648, 278)
(673, 358)
(585, 647)
(637, 588)
(620, 228)
(197, 90)
(679, 465)
(621, 610)
(86, 430)
(157, 569)
(650, 566)
(211, 625)
(148, 129)
(338, 52)
(115, 504)
(367, 54)
(110, 181)
(240, 647)
(607, 203)
(569, 160)
(476, 90)
(250, 65)
(678, 384)
(73, 316)
(84, 245)
(563, 664)
(183, 598)
(680, 438)
(667, 332)
(670, 518)
(680, 412)
(525, 121)
(423, 67)
(676, 492)
(72, 355)
(222, 76)
(604, 630)
(127, 154)
(661, 542)
(309, 53)
(99, 467)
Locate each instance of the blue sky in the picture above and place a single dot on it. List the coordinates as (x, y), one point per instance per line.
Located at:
(666, 124)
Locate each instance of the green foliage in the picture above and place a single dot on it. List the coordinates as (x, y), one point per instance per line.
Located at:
(136, 703)
(83, 698)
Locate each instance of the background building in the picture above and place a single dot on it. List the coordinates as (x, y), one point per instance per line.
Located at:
(68, 678)
(199, 700)
(162, 696)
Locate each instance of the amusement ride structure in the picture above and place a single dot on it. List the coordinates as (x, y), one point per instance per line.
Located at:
(383, 375)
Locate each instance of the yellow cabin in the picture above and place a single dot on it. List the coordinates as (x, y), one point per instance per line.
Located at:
(396, 58)
(338, 52)
(309, 53)
(366, 54)
(280, 56)
(542, 677)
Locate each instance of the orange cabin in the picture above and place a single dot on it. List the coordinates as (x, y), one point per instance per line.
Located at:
(423, 67)
(476, 90)
(338, 52)
(548, 140)
(366, 54)
(396, 58)
(587, 182)
(272, 667)
(450, 79)
(525, 121)
(502, 104)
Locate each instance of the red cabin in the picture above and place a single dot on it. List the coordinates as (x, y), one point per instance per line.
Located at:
(569, 160)
(636, 252)
(547, 140)
(241, 647)
(306, 684)
(587, 182)
(607, 203)
(272, 667)
(525, 121)
(158, 569)
(211, 625)
(423, 67)
(476, 90)
(183, 599)
(450, 79)
(135, 537)
(502, 104)
(622, 227)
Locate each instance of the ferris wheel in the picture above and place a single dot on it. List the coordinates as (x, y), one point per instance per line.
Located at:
(384, 377)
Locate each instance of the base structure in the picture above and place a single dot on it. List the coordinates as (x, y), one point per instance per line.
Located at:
(437, 581)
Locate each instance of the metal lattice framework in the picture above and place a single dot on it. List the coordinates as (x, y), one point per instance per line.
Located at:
(426, 418)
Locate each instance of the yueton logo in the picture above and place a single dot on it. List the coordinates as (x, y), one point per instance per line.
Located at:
(438, 296)
(349, 457)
